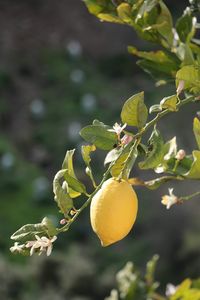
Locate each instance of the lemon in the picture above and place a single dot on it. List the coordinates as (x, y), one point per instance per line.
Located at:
(113, 211)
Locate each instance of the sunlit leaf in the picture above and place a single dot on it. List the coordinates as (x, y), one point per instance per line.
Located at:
(194, 172)
(74, 183)
(134, 111)
(196, 129)
(169, 103)
(191, 77)
(68, 164)
(124, 12)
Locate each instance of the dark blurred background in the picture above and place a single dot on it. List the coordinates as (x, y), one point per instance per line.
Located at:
(60, 68)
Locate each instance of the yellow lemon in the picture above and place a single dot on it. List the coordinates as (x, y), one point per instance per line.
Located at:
(113, 211)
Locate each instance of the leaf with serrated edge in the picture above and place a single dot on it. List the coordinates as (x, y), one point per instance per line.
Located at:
(196, 129)
(134, 111)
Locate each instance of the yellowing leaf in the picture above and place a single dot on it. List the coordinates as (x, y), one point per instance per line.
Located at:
(169, 102)
(124, 12)
(191, 77)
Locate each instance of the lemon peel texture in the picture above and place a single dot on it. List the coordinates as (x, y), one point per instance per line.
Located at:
(113, 211)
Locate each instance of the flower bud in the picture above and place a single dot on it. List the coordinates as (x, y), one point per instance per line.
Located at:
(180, 154)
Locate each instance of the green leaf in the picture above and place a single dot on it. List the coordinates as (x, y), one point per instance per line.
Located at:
(129, 163)
(134, 111)
(62, 197)
(170, 149)
(155, 108)
(196, 129)
(100, 136)
(169, 103)
(28, 232)
(112, 155)
(155, 156)
(185, 26)
(51, 229)
(68, 164)
(194, 172)
(86, 151)
(74, 184)
(119, 165)
(124, 12)
(191, 77)
(158, 71)
(110, 18)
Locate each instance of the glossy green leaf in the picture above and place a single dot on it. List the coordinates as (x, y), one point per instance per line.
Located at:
(100, 136)
(194, 172)
(169, 103)
(155, 156)
(74, 184)
(191, 77)
(185, 26)
(62, 197)
(134, 111)
(68, 164)
(196, 129)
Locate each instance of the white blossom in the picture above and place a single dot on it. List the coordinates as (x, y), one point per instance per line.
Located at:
(17, 247)
(170, 199)
(118, 128)
(170, 290)
(43, 243)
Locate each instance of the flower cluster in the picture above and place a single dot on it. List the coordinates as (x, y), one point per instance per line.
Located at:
(43, 244)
